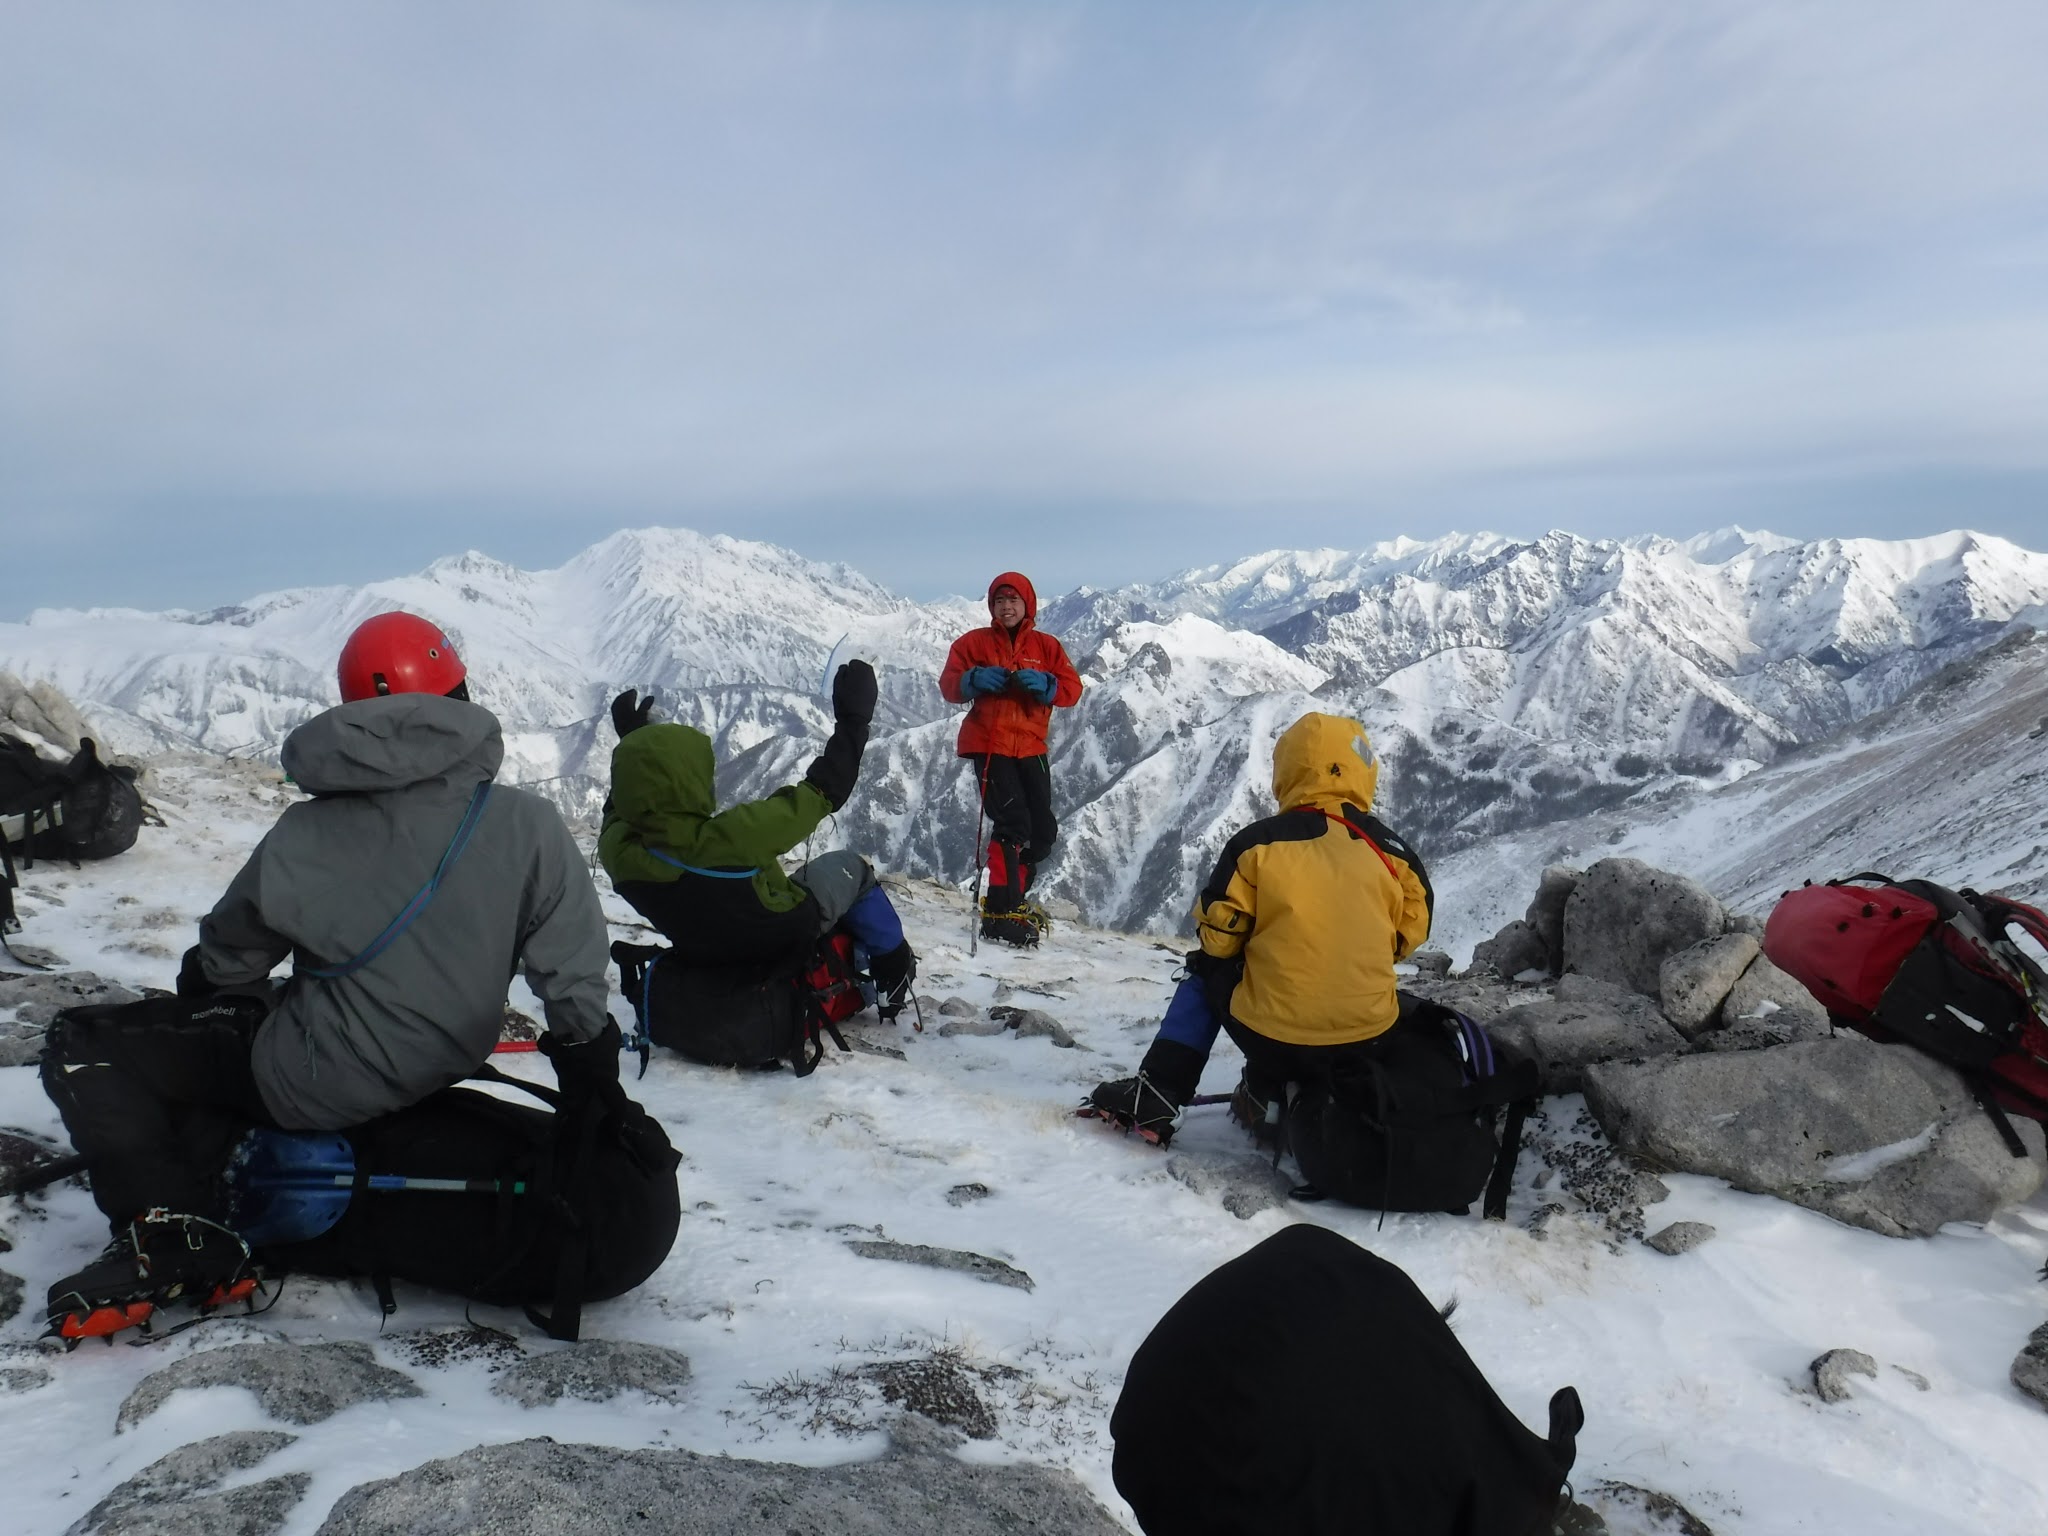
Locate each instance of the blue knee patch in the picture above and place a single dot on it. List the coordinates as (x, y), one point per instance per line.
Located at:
(873, 922)
(1189, 1020)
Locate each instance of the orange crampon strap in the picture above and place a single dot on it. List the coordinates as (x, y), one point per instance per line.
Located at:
(100, 1322)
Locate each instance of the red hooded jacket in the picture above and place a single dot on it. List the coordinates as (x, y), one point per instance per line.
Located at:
(1009, 724)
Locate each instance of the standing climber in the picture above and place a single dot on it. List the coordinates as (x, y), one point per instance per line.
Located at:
(1012, 676)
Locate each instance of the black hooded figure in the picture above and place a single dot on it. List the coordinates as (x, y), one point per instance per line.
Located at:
(1307, 1388)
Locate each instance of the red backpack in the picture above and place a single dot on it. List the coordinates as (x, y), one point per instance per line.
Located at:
(1939, 970)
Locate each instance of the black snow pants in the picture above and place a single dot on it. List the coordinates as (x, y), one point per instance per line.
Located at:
(155, 1094)
(1017, 794)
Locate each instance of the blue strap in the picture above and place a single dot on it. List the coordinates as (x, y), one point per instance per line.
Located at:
(692, 869)
(477, 800)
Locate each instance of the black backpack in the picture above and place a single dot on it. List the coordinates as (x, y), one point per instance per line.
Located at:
(742, 1016)
(1415, 1124)
(83, 809)
(563, 1212)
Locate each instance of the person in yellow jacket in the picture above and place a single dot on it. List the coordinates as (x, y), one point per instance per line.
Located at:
(1300, 926)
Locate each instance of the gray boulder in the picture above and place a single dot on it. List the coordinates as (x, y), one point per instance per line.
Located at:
(2030, 1366)
(1245, 1184)
(38, 1000)
(38, 714)
(173, 1495)
(1872, 1135)
(1692, 983)
(1623, 917)
(979, 1265)
(539, 1488)
(1766, 1007)
(299, 1383)
(1546, 912)
(1584, 1022)
(595, 1370)
(1679, 1237)
(1515, 949)
(1831, 1373)
(1430, 962)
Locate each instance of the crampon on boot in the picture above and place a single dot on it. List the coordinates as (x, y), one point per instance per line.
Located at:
(892, 975)
(161, 1259)
(1136, 1105)
(1259, 1116)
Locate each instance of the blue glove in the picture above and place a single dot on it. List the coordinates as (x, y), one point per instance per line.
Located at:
(979, 680)
(1039, 685)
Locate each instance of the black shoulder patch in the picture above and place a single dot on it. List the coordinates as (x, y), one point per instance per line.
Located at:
(1287, 827)
(1392, 842)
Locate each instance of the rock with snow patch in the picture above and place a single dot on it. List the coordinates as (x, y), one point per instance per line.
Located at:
(1430, 962)
(958, 1008)
(937, 1387)
(173, 1495)
(1831, 1373)
(596, 1371)
(12, 1292)
(1744, 922)
(1516, 948)
(16, 1379)
(1481, 994)
(539, 1488)
(40, 998)
(1584, 1022)
(1624, 917)
(1692, 983)
(1245, 1184)
(1679, 1237)
(1032, 1024)
(298, 1383)
(1623, 1509)
(972, 1026)
(1546, 912)
(2030, 1366)
(42, 716)
(1766, 1007)
(1877, 1136)
(965, 1194)
(979, 1265)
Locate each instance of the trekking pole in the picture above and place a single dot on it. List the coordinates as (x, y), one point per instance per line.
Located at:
(331, 1176)
(974, 905)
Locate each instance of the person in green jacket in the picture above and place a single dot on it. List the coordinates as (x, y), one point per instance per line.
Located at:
(708, 879)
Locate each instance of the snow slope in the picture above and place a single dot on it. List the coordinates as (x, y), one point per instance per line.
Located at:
(1689, 1367)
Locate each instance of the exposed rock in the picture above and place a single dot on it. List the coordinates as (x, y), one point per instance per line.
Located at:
(16, 1379)
(1680, 1237)
(1546, 912)
(1831, 1373)
(1032, 1023)
(1877, 1136)
(1623, 917)
(962, 1194)
(1245, 1184)
(1586, 1021)
(995, 1271)
(39, 998)
(172, 1496)
(435, 1347)
(1609, 1186)
(1743, 922)
(596, 1371)
(1766, 1007)
(940, 1388)
(1692, 983)
(1481, 994)
(1430, 962)
(958, 1008)
(1515, 949)
(1623, 1507)
(11, 1293)
(22, 1152)
(971, 1026)
(539, 1488)
(2030, 1366)
(1920, 1383)
(298, 1383)
(40, 715)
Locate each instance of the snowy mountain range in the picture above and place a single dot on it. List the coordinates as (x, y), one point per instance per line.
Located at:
(1508, 683)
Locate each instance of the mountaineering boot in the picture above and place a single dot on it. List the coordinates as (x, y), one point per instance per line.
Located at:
(1259, 1116)
(161, 1258)
(1152, 1102)
(1001, 918)
(892, 975)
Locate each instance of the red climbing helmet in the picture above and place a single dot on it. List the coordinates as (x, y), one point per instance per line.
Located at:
(398, 653)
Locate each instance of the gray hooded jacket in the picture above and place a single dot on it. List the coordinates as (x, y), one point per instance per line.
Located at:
(391, 779)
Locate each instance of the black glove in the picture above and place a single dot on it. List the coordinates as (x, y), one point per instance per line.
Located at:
(586, 1070)
(193, 984)
(853, 694)
(626, 718)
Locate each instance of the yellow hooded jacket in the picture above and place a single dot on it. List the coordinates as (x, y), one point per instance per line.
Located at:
(1319, 910)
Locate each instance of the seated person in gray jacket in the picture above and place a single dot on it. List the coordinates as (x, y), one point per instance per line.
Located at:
(406, 892)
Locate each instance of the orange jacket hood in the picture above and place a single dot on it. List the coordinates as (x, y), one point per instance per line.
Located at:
(1025, 590)
(1324, 761)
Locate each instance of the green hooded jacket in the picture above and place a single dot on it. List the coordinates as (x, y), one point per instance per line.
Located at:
(662, 802)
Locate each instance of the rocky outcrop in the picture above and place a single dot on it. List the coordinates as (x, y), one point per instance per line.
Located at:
(1876, 1136)
(1766, 1007)
(595, 1371)
(174, 1495)
(1692, 983)
(539, 1488)
(1624, 918)
(1586, 1021)
(298, 1383)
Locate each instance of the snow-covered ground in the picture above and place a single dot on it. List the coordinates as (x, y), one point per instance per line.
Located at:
(1691, 1368)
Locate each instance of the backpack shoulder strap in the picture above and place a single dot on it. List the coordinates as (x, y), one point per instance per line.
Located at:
(478, 799)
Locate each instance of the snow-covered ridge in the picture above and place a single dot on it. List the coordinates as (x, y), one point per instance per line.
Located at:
(1507, 682)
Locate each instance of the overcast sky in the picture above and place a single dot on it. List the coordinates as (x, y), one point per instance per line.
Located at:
(293, 293)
